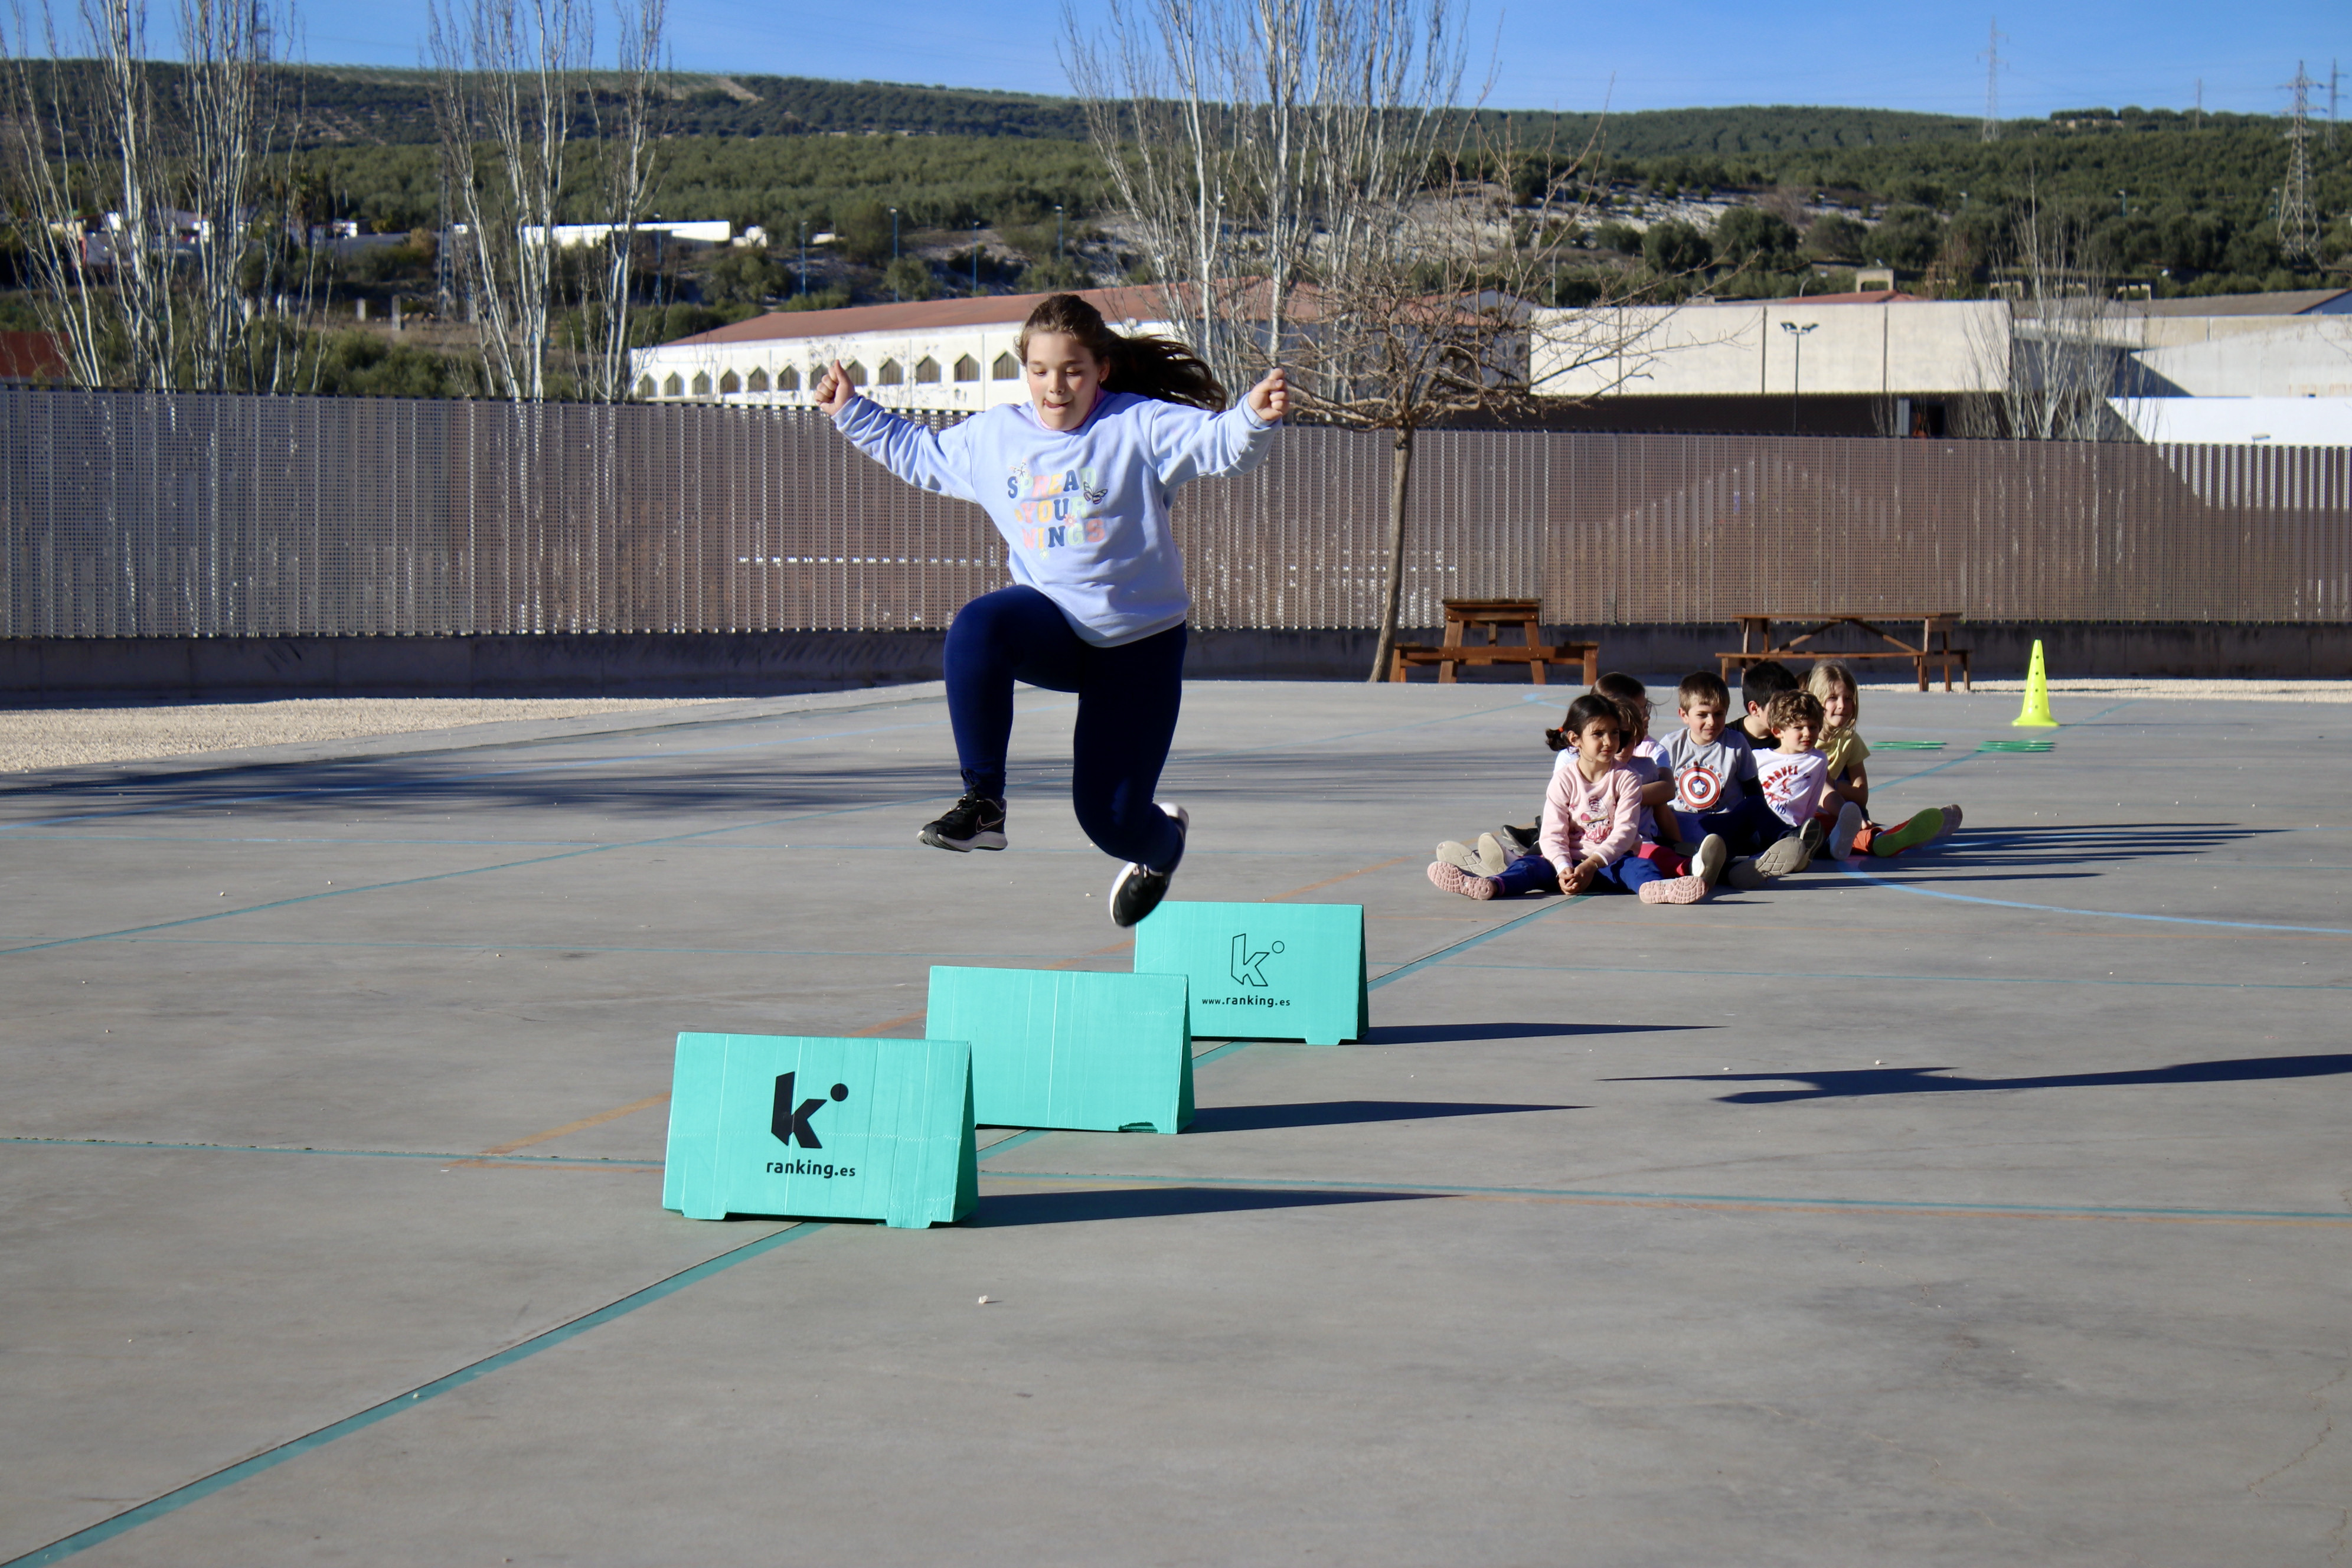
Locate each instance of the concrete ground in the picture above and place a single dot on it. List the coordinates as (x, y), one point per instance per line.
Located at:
(1989, 1206)
(48, 737)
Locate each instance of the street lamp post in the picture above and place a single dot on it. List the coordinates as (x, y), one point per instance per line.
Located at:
(1058, 255)
(1797, 383)
(804, 255)
(894, 253)
(975, 258)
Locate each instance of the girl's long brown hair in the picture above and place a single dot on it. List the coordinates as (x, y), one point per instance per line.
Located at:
(1158, 368)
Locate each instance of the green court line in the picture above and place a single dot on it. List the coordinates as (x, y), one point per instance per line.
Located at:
(344, 1154)
(197, 1491)
(1889, 1205)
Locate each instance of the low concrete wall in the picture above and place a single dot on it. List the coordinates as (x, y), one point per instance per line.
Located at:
(698, 664)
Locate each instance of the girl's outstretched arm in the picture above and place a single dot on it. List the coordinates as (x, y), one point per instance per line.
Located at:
(918, 454)
(1187, 442)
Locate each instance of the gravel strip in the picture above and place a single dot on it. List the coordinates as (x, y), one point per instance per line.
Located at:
(75, 737)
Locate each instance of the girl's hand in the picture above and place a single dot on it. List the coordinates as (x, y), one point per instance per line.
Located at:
(833, 393)
(1576, 880)
(1270, 398)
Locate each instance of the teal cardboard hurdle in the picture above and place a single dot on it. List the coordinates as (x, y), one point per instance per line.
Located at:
(822, 1129)
(1264, 972)
(1104, 1053)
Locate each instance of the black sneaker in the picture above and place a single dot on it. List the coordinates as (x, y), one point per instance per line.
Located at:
(1138, 889)
(973, 823)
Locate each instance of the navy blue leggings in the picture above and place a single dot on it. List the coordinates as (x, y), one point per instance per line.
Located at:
(1128, 699)
(1534, 874)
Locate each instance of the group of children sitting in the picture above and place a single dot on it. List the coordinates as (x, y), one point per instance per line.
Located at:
(1668, 820)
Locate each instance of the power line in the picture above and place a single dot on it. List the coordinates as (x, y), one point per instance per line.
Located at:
(2298, 227)
(1992, 58)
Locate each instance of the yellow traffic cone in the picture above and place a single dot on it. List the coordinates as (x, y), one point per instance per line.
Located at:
(2036, 715)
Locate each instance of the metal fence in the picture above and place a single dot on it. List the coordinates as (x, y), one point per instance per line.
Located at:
(133, 514)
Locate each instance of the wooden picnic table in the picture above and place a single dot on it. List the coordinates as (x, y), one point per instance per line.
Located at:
(1492, 618)
(1934, 647)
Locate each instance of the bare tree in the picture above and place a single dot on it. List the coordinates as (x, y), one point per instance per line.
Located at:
(627, 135)
(510, 72)
(231, 110)
(191, 183)
(2062, 352)
(1157, 88)
(88, 141)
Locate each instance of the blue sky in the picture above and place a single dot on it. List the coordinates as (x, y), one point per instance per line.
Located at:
(2062, 56)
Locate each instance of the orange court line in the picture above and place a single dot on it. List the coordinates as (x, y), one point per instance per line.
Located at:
(886, 1024)
(583, 1125)
(1327, 881)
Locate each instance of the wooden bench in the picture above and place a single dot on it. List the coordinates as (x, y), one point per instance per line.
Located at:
(1493, 615)
(1934, 647)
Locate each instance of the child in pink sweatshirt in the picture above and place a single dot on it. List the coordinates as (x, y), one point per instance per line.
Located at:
(1591, 824)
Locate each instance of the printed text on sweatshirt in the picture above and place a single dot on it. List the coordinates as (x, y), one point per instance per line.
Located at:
(1085, 511)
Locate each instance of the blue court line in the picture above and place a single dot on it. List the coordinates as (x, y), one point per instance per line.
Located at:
(463, 872)
(490, 946)
(310, 792)
(2084, 1211)
(2086, 914)
(1418, 964)
(1002, 1146)
(380, 787)
(1921, 979)
(603, 848)
(197, 1491)
(341, 1153)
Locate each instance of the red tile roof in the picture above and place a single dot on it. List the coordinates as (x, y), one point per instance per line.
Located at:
(1137, 303)
(31, 356)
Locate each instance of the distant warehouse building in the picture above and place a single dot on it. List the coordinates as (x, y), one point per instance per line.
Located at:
(949, 355)
(1881, 362)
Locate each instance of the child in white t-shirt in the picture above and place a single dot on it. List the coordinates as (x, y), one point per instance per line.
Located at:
(1795, 778)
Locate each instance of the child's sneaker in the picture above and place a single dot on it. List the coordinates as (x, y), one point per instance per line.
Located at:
(1493, 854)
(1790, 854)
(1675, 890)
(1138, 890)
(1454, 852)
(1849, 823)
(972, 823)
(1517, 842)
(1951, 822)
(1744, 875)
(1707, 864)
(1912, 834)
(1455, 880)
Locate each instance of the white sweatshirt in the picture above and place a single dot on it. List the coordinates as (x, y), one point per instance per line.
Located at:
(1085, 511)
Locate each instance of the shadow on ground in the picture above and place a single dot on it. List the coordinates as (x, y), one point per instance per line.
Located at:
(1343, 1113)
(1156, 1202)
(1864, 1081)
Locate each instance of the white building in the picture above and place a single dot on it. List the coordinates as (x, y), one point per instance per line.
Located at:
(950, 355)
(1880, 344)
(1888, 361)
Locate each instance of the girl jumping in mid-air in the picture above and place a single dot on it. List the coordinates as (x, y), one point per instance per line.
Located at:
(1077, 479)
